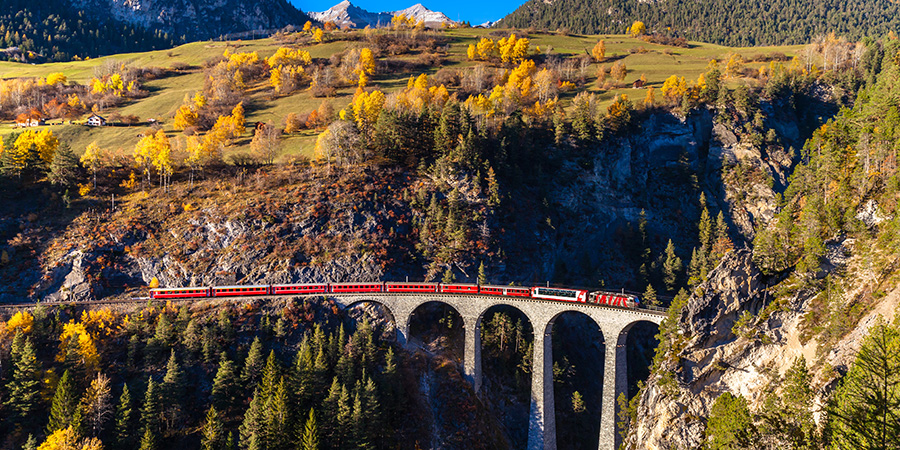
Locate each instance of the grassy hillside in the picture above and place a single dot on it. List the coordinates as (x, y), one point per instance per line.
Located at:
(655, 62)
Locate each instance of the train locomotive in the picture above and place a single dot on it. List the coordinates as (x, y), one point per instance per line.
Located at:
(619, 300)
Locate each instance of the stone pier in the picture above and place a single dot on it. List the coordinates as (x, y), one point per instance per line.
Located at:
(614, 324)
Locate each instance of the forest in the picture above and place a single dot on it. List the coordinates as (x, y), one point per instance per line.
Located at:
(737, 23)
(53, 31)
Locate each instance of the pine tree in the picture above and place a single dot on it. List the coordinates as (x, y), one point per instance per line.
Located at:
(705, 226)
(344, 414)
(302, 374)
(330, 409)
(671, 267)
(270, 375)
(124, 420)
(277, 418)
(252, 429)
(866, 405)
(213, 433)
(650, 295)
(358, 427)
(148, 440)
(225, 387)
(577, 403)
(64, 406)
(372, 412)
(482, 276)
(173, 391)
(150, 413)
(64, 167)
(310, 438)
(31, 443)
(730, 424)
(253, 365)
(23, 388)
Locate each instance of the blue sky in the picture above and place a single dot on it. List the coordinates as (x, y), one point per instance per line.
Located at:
(474, 11)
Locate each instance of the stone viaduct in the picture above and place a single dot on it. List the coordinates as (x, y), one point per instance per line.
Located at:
(614, 324)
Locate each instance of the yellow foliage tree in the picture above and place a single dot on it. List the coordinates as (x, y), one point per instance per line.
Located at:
(56, 78)
(32, 145)
(237, 114)
(69, 439)
(22, 320)
(674, 88)
(75, 336)
(366, 109)
(485, 49)
(599, 51)
(637, 29)
(318, 35)
(307, 26)
(92, 159)
(185, 117)
(285, 56)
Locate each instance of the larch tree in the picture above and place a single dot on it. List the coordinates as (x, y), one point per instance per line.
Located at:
(637, 29)
(93, 159)
(599, 51)
(96, 406)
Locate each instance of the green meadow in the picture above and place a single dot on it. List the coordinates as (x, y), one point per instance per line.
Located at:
(654, 62)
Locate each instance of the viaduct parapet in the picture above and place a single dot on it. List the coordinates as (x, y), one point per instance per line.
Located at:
(614, 325)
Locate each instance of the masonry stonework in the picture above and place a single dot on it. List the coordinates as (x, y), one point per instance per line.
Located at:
(614, 324)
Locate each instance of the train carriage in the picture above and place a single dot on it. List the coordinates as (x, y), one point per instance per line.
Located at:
(565, 295)
(410, 287)
(188, 292)
(354, 288)
(240, 291)
(611, 299)
(281, 289)
(458, 288)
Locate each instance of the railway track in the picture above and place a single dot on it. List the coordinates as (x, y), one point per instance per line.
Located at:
(147, 300)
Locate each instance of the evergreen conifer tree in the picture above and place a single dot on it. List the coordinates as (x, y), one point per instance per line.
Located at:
(225, 387)
(173, 391)
(64, 406)
(310, 438)
(125, 420)
(150, 413)
(252, 429)
(213, 433)
(253, 365)
(23, 390)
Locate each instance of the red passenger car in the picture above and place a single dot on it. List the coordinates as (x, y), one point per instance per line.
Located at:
(240, 291)
(410, 287)
(459, 288)
(281, 289)
(188, 292)
(353, 288)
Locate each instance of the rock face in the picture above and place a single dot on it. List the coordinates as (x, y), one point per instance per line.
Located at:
(345, 14)
(708, 359)
(198, 19)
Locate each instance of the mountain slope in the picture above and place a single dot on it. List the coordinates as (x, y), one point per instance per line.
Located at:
(198, 19)
(54, 30)
(728, 22)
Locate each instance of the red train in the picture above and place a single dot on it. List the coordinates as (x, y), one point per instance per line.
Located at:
(542, 293)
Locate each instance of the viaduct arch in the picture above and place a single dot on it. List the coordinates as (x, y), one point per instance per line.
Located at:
(614, 324)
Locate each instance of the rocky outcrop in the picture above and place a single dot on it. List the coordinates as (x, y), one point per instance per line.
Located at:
(197, 19)
(707, 358)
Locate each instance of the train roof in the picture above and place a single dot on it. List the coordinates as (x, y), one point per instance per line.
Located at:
(242, 286)
(179, 288)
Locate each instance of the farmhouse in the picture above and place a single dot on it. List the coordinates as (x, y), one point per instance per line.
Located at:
(96, 121)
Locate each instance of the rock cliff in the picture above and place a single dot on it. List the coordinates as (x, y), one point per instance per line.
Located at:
(707, 358)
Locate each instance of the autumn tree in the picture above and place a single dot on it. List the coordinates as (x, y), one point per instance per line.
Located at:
(266, 143)
(637, 29)
(599, 51)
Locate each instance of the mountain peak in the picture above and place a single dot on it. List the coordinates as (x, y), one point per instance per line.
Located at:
(345, 14)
